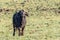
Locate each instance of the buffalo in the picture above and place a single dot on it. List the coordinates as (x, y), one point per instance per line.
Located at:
(19, 22)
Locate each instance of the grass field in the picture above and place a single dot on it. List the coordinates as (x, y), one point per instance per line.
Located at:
(42, 23)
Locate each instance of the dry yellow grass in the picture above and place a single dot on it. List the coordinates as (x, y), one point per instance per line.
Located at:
(41, 25)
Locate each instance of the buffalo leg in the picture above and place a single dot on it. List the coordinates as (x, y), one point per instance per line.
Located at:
(19, 31)
(14, 32)
(22, 30)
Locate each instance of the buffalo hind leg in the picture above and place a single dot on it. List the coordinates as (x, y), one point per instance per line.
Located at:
(14, 31)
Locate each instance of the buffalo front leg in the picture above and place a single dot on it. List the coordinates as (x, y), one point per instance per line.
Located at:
(19, 31)
(22, 30)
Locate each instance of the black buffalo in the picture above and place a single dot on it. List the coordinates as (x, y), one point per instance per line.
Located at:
(19, 22)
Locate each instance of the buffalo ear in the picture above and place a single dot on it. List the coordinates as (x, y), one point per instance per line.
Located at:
(26, 14)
